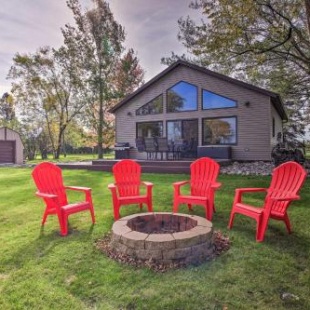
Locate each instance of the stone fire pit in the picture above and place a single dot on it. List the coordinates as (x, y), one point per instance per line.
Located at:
(163, 237)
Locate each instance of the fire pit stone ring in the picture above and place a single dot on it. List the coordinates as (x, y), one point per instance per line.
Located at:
(163, 237)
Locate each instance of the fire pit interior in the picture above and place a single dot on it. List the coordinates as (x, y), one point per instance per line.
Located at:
(163, 237)
(161, 223)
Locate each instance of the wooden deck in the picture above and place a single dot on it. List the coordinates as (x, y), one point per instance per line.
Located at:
(148, 166)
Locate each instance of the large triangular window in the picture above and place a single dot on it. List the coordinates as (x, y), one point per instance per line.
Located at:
(182, 97)
(214, 101)
(153, 107)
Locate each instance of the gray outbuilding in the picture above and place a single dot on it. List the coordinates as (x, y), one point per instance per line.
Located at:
(11, 147)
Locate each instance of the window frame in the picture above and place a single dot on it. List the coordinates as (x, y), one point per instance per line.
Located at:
(205, 109)
(167, 102)
(219, 117)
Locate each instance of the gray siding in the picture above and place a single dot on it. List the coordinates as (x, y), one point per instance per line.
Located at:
(278, 125)
(253, 121)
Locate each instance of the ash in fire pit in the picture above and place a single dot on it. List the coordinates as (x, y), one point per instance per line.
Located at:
(161, 223)
(166, 238)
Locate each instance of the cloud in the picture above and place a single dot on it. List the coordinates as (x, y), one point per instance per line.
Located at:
(152, 28)
(150, 25)
(26, 26)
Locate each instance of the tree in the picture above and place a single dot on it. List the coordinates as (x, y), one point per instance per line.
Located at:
(266, 42)
(7, 112)
(7, 107)
(109, 71)
(46, 85)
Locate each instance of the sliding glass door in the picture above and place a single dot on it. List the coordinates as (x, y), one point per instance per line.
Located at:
(182, 130)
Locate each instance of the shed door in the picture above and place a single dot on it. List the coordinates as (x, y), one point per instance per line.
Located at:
(7, 152)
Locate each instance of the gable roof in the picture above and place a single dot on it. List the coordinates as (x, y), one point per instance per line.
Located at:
(275, 98)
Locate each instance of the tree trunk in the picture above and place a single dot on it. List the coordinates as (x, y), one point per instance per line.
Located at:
(307, 4)
(100, 126)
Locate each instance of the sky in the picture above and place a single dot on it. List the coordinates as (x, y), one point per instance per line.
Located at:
(150, 25)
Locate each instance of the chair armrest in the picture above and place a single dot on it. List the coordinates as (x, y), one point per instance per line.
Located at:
(181, 183)
(44, 195)
(78, 188)
(249, 190)
(240, 191)
(177, 187)
(113, 188)
(147, 184)
(216, 185)
(149, 188)
(110, 186)
(85, 190)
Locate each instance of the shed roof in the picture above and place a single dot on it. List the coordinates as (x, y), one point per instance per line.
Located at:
(275, 98)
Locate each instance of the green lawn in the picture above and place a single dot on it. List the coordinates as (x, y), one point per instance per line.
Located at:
(71, 157)
(41, 270)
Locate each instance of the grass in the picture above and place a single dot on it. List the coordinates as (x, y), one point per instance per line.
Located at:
(41, 270)
(71, 157)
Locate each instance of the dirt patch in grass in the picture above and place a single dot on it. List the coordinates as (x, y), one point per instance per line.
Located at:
(221, 244)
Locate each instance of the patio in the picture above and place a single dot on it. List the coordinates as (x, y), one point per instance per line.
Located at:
(148, 166)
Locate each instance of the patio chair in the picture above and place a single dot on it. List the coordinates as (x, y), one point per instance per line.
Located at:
(202, 183)
(150, 148)
(49, 182)
(140, 144)
(163, 147)
(287, 180)
(127, 187)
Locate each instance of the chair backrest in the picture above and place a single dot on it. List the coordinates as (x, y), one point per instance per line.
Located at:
(150, 145)
(48, 179)
(127, 176)
(140, 144)
(204, 172)
(162, 144)
(287, 180)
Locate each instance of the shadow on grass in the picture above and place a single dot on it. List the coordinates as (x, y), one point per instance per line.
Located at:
(46, 243)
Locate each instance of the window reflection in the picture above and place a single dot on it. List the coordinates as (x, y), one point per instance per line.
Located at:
(153, 107)
(182, 130)
(220, 130)
(182, 97)
(213, 101)
(149, 129)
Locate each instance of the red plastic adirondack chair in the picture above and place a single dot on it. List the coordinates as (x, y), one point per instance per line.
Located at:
(203, 184)
(49, 182)
(287, 180)
(126, 189)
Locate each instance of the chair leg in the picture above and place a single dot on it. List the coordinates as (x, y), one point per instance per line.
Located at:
(140, 205)
(175, 206)
(149, 207)
(262, 223)
(92, 213)
(91, 206)
(213, 207)
(287, 223)
(116, 212)
(190, 207)
(231, 220)
(63, 223)
(44, 217)
(209, 212)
